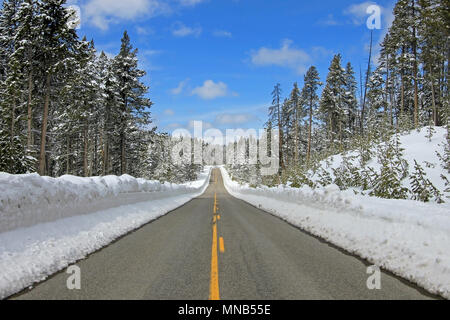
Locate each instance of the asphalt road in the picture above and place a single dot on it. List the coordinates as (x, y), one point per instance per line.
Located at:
(217, 246)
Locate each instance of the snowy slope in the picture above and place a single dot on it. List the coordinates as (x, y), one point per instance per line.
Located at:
(409, 238)
(416, 147)
(68, 218)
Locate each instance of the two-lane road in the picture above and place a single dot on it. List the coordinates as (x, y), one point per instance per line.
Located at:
(217, 246)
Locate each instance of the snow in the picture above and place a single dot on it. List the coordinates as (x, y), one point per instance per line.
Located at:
(409, 238)
(416, 147)
(26, 200)
(47, 224)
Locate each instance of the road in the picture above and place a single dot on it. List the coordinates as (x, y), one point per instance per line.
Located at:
(219, 247)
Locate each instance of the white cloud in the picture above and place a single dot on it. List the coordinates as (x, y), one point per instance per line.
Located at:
(190, 3)
(180, 30)
(144, 31)
(286, 56)
(330, 20)
(169, 112)
(178, 90)
(205, 125)
(211, 90)
(358, 13)
(222, 33)
(101, 13)
(234, 119)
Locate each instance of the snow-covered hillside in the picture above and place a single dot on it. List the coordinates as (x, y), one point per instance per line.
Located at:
(47, 224)
(415, 147)
(408, 237)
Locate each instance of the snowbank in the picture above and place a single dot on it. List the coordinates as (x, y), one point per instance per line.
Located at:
(417, 147)
(26, 200)
(46, 224)
(409, 238)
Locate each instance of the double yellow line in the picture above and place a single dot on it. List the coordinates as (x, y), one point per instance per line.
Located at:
(214, 284)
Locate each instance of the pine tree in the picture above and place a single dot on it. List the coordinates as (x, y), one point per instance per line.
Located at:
(311, 99)
(133, 105)
(57, 47)
(422, 189)
(394, 169)
(350, 103)
(433, 31)
(376, 115)
(331, 103)
(275, 117)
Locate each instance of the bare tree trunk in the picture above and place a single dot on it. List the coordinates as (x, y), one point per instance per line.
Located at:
(42, 157)
(13, 122)
(433, 99)
(280, 133)
(296, 151)
(308, 152)
(122, 140)
(416, 89)
(30, 111)
(68, 156)
(95, 160)
(367, 80)
(85, 153)
(402, 97)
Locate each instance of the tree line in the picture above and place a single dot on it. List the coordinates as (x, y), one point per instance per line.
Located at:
(407, 89)
(65, 108)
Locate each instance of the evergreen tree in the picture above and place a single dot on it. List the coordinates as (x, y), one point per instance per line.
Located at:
(311, 99)
(57, 48)
(133, 105)
(331, 103)
(275, 117)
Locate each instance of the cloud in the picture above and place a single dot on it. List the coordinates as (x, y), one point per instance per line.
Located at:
(222, 34)
(357, 15)
(205, 125)
(144, 31)
(180, 30)
(211, 90)
(178, 90)
(190, 3)
(330, 20)
(173, 126)
(169, 112)
(357, 12)
(286, 56)
(234, 119)
(101, 13)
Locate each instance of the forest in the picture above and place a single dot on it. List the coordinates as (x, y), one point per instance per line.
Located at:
(404, 89)
(68, 109)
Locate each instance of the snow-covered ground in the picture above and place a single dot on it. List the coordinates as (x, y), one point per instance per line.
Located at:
(47, 224)
(409, 238)
(417, 147)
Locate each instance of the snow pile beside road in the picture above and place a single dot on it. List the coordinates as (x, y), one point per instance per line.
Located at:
(409, 238)
(69, 217)
(26, 200)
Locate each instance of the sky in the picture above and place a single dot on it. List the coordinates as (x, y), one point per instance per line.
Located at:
(217, 61)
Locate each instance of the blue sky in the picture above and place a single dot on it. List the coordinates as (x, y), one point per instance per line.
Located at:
(218, 60)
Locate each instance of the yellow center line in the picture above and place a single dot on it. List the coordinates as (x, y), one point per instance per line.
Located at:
(221, 245)
(214, 284)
